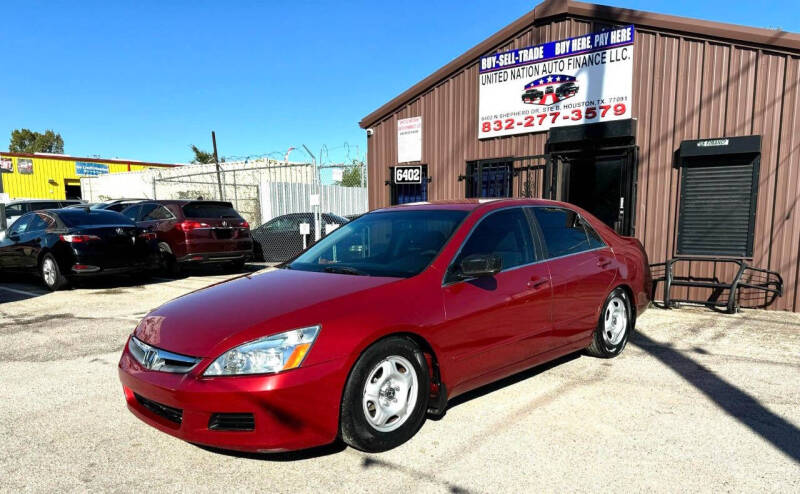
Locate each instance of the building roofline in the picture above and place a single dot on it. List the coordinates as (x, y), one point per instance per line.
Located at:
(769, 38)
(65, 157)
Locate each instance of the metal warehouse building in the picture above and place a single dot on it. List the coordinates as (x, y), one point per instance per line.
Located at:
(52, 176)
(681, 132)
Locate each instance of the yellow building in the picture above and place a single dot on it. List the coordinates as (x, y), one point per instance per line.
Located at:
(53, 176)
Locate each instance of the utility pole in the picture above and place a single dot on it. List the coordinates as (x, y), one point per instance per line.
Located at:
(216, 162)
(318, 188)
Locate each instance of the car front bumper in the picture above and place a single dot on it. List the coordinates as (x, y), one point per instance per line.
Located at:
(293, 410)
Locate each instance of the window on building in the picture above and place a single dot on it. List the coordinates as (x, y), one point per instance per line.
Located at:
(405, 193)
(489, 178)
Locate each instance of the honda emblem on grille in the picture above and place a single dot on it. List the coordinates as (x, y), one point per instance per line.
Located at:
(120, 231)
(224, 223)
(149, 359)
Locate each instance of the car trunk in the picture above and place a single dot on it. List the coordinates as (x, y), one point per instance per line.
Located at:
(214, 227)
(116, 247)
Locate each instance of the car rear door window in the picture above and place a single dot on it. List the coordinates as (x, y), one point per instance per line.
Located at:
(37, 223)
(505, 233)
(132, 212)
(145, 210)
(156, 213)
(563, 232)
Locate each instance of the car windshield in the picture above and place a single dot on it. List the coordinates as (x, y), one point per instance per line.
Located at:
(390, 243)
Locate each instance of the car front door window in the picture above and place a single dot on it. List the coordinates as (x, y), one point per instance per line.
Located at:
(505, 233)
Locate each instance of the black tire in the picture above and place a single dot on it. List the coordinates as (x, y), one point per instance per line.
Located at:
(168, 260)
(354, 427)
(237, 266)
(51, 273)
(604, 345)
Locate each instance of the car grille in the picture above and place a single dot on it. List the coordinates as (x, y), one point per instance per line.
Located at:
(232, 422)
(172, 414)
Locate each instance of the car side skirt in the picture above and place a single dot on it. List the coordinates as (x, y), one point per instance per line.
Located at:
(520, 366)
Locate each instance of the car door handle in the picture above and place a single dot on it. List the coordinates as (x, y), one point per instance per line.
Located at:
(537, 282)
(602, 263)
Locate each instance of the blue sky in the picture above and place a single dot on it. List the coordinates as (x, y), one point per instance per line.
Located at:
(144, 80)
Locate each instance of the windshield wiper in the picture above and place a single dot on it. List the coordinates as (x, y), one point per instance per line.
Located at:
(344, 270)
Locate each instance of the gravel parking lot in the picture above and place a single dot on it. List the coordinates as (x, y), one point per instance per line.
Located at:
(699, 401)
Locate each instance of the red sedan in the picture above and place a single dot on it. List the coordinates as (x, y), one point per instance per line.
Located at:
(382, 322)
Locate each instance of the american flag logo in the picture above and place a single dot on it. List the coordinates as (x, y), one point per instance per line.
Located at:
(551, 89)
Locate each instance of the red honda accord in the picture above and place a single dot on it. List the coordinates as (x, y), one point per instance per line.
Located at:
(382, 322)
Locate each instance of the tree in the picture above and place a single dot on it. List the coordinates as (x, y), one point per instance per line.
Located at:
(27, 141)
(351, 175)
(200, 156)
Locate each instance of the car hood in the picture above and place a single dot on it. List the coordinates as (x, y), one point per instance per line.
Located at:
(206, 322)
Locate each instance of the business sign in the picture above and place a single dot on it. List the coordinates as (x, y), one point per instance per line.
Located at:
(409, 139)
(408, 174)
(6, 165)
(90, 169)
(579, 80)
(25, 166)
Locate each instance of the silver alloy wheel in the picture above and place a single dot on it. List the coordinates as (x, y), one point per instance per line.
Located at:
(49, 271)
(615, 321)
(390, 393)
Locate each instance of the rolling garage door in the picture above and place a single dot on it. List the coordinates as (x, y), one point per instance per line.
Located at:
(717, 208)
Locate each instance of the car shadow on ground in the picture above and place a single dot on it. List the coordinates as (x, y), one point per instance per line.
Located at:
(303, 454)
(17, 287)
(737, 403)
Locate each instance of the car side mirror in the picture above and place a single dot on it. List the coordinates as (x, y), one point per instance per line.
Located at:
(13, 236)
(480, 265)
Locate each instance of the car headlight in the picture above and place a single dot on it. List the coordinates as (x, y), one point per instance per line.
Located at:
(267, 355)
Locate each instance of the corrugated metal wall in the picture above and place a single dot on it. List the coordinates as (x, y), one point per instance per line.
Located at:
(38, 185)
(684, 88)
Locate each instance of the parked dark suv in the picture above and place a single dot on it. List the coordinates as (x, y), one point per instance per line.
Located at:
(195, 232)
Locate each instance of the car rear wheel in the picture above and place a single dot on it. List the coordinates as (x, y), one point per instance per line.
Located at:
(614, 327)
(386, 396)
(51, 274)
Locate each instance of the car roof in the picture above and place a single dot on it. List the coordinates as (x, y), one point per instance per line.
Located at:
(470, 204)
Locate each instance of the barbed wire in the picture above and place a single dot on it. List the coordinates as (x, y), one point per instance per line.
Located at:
(351, 153)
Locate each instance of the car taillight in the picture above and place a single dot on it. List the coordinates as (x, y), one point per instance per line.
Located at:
(78, 239)
(244, 225)
(187, 226)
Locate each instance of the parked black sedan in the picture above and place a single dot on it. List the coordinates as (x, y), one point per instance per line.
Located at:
(64, 244)
(280, 239)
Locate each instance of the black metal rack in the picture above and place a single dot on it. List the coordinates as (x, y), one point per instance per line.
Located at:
(751, 287)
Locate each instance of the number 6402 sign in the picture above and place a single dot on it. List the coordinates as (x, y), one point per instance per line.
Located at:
(408, 174)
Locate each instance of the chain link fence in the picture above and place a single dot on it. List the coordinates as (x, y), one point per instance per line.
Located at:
(287, 205)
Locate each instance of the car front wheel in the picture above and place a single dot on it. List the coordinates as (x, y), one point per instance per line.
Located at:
(614, 327)
(386, 396)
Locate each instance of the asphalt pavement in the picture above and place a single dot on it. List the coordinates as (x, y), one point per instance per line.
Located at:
(699, 401)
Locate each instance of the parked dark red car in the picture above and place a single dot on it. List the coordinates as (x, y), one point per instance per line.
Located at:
(195, 232)
(381, 322)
